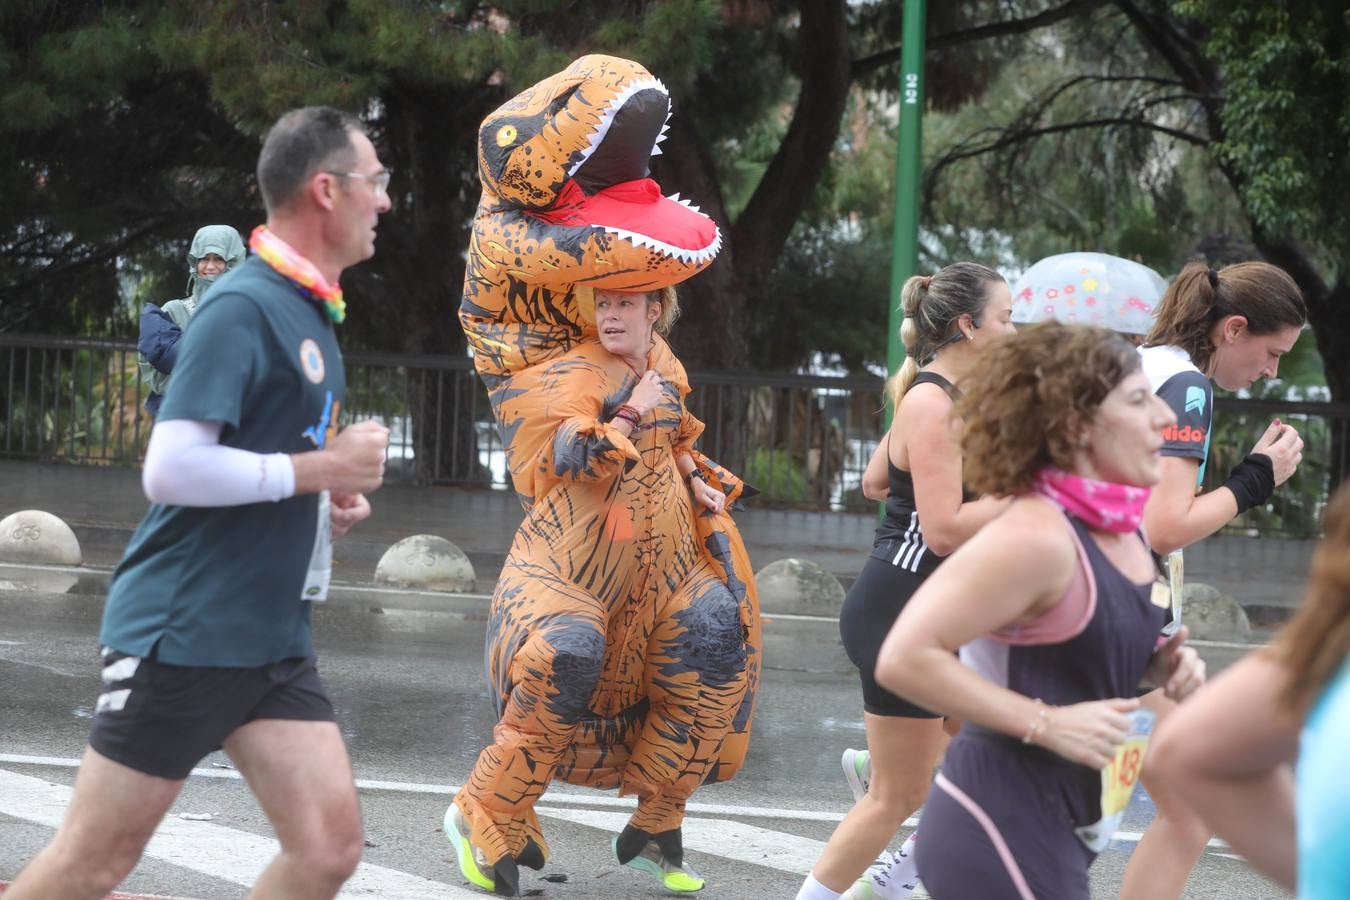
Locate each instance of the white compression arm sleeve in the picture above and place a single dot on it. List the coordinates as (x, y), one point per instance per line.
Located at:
(186, 465)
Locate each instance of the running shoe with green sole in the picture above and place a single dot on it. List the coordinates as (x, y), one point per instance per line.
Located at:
(857, 766)
(675, 879)
(472, 861)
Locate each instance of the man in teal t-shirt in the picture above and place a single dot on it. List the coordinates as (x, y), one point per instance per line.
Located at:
(267, 365)
(205, 635)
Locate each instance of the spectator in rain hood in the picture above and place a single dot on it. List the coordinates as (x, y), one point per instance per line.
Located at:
(215, 250)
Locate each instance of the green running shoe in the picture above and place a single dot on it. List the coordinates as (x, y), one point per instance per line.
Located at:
(472, 861)
(677, 879)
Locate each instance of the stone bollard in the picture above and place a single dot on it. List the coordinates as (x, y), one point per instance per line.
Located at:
(426, 562)
(34, 536)
(801, 587)
(798, 586)
(1212, 615)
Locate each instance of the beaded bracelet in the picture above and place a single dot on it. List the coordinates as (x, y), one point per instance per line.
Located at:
(1038, 725)
(629, 415)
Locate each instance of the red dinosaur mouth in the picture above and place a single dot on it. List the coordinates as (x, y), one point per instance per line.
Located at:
(636, 212)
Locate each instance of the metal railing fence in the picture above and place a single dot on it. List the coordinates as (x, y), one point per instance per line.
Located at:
(803, 440)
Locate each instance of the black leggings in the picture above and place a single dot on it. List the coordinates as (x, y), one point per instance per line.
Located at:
(870, 609)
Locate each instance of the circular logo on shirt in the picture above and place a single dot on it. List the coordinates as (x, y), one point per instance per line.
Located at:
(311, 360)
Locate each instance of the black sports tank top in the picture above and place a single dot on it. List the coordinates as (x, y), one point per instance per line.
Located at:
(899, 537)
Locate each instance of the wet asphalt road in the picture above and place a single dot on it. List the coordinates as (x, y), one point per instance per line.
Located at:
(407, 685)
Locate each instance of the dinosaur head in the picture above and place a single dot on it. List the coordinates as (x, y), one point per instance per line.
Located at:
(568, 156)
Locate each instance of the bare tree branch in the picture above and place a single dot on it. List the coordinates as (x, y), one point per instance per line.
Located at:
(1014, 137)
(1181, 51)
(869, 64)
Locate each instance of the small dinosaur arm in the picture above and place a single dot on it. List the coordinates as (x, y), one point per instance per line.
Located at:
(568, 207)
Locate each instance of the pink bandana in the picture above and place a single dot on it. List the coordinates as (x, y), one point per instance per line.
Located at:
(283, 257)
(1103, 505)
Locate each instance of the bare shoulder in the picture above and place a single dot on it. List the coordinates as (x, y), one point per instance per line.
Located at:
(1031, 532)
(925, 404)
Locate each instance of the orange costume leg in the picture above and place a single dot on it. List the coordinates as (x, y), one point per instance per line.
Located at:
(546, 644)
(696, 680)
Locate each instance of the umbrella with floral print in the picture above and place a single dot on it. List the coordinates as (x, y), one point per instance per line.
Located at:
(1089, 289)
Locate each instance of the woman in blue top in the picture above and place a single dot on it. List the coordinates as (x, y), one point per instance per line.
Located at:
(1228, 752)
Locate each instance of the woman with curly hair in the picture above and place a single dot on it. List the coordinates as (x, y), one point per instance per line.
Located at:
(951, 318)
(1054, 611)
(1228, 753)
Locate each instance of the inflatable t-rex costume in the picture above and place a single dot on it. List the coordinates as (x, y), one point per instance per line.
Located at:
(623, 644)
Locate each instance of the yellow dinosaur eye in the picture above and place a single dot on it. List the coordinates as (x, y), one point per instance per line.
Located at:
(506, 135)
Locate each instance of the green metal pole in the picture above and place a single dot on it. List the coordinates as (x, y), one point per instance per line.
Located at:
(908, 165)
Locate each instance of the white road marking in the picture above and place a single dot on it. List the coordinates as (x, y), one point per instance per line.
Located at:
(555, 798)
(591, 798)
(214, 850)
(721, 837)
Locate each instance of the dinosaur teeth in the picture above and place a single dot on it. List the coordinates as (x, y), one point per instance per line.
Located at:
(683, 254)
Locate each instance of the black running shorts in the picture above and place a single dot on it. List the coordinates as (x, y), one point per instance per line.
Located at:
(162, 720)
(870, 608)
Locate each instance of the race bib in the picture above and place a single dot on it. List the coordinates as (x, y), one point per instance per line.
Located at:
(321, 559)
(1118, 781)
(1175, 577)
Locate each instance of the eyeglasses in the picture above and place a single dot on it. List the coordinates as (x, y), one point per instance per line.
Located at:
(378, 180)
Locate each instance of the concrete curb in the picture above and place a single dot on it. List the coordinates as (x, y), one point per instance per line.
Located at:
(92, 581)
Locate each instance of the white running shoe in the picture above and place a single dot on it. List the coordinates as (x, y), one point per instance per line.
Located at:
(857, 765)
(883, 881)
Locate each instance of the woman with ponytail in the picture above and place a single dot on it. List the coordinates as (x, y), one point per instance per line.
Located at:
(952, 318)
(1228, 327)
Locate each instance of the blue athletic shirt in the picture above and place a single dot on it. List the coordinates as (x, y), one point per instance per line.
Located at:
(1323, 791)
(222, 586)
(1187, 391)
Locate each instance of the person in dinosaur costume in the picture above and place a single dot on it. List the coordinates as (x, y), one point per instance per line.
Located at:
(623, 642)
